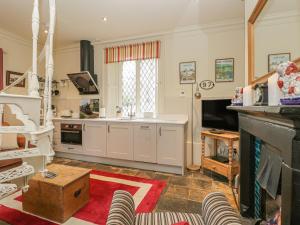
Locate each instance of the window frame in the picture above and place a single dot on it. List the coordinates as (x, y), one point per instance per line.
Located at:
(137, 88)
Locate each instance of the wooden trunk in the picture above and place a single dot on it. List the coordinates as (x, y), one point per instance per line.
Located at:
(59, 198)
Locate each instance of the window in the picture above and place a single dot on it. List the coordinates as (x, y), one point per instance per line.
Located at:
(138, 86)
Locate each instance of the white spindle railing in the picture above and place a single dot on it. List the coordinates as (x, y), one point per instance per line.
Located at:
(46, 85)
(42, 138)
(33, 78)
(47, 53)
(50, 66)
(25, 75)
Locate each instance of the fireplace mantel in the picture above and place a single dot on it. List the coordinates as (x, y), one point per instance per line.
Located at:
(279, 127)
(286, 114)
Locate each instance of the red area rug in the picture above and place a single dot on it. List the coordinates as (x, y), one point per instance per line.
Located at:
(146, 193)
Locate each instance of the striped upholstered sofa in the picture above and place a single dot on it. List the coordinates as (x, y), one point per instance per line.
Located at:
(215, 211)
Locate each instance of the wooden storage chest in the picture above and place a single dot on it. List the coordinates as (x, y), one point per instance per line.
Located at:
(59, 198)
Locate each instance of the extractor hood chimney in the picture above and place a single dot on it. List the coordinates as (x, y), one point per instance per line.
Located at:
(87, 58)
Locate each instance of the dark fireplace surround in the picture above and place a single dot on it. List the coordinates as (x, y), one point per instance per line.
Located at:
(279, 127)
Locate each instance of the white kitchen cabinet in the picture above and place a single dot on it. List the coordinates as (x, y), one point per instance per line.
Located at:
(170, 144)
(144, 143)
(94, 138)
(120, 141)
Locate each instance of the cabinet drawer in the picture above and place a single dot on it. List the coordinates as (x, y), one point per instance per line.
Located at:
(215, 166)
(72, 148)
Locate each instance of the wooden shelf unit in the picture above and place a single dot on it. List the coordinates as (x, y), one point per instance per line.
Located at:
(229, 169)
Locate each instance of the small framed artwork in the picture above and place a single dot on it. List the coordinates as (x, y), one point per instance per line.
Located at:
(275, 59)
(187, 72)
(12, 77)
(224, 70)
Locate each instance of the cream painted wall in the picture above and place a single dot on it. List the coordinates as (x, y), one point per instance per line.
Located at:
(67, 60)
(192, 44)
(203, 47)
(249, 7)
(17, 56)
(268, 38)
(200, 45)
(272, 31)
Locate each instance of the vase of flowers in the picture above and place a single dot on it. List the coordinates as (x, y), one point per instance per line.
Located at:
(237, 99)
(289, 83)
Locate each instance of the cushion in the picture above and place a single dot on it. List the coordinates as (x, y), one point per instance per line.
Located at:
(10, 163)
(122, 210)
(8, 141)
(168, 218)
(217, 211)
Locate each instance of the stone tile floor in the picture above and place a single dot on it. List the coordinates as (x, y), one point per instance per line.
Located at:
(182, 193)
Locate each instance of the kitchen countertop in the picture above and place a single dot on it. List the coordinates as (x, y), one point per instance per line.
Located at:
(165, 119)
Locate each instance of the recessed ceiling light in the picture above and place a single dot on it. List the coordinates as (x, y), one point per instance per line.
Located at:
(104, 19)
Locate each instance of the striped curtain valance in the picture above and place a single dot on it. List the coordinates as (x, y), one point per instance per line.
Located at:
(140, 51)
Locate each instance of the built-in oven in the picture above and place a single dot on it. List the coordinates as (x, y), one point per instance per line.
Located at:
(71, 134)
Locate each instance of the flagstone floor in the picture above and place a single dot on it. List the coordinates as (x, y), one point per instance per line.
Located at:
(182, 193)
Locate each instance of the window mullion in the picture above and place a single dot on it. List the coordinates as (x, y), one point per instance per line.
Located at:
(157, 86)
(138, 87)
(120, 84)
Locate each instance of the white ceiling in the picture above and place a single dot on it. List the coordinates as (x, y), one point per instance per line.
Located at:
(82, 19)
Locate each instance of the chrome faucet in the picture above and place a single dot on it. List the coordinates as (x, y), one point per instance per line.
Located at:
(131, 113)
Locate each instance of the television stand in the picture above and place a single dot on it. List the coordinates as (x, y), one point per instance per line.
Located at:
(228, 169)
(216, 131)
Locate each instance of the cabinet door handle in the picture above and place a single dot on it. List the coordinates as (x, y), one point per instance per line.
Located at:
(160, 131)
(108, 128)
(144, 127)
(84, 127)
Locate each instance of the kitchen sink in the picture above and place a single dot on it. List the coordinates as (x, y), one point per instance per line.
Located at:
(126, 118)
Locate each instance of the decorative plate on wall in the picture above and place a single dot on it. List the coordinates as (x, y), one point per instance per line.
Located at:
(207, 84)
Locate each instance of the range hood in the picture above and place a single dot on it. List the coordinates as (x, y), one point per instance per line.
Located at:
(85, 81)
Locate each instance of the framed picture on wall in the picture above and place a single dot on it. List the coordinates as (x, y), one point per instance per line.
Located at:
(224, 70)
(187, 72)
(12, 76)
(275, 59)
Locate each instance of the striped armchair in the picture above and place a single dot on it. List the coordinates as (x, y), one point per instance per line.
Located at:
(215, 211)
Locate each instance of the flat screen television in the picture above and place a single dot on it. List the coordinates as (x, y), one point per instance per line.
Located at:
(215, 115)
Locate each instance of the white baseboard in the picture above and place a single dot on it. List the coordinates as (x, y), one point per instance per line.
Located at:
(123, 163)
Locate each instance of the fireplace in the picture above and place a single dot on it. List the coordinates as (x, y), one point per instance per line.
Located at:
(276, 128)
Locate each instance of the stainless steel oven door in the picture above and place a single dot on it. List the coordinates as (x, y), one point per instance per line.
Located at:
(71, 134)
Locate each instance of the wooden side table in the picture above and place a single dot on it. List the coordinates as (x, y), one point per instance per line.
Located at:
(229, 169)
